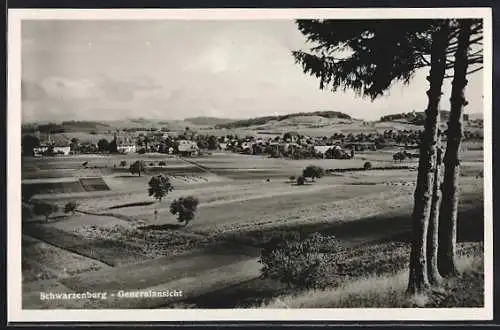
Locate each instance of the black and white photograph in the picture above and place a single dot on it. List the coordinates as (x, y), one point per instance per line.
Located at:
(250, 164)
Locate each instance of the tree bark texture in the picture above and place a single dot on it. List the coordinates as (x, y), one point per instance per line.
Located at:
(449, 204)
(432, 236)
(418, 279)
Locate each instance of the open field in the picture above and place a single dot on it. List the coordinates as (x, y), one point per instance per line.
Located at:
(244, 201)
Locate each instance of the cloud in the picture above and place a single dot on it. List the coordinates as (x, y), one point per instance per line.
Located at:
(100, 88)
(32, 91)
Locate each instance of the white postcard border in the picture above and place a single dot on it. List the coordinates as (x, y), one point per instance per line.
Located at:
(14, 291)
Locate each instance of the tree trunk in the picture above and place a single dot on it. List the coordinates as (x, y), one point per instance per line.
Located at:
(432, 236)
(418, 279)
(449, 204)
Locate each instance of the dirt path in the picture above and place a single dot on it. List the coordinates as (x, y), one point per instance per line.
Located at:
(201, 167)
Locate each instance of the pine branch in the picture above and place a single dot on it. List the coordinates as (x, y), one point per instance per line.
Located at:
(468, 73)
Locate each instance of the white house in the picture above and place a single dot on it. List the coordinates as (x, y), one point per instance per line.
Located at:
(324, 149)
(60, 144)
(126, 145)
(40, 150)
(65, 150)
(187, 147)
(126, 148)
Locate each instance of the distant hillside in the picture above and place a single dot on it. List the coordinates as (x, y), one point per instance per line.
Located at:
(413, 118)
(259, 121)
(65, 126)
(418, 118)
(208, 121)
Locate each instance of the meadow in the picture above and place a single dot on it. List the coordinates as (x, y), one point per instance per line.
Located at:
(116, 239)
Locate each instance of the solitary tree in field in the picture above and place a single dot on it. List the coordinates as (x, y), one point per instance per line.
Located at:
(70, 207)
(45, 209)
(300, 180)
(137, 167)
(313, 171)
(159, 186)
(185, 209)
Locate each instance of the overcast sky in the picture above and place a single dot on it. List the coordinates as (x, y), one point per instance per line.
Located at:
(100, 70)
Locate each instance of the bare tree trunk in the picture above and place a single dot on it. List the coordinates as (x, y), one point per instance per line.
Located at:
(432, 237)
(418, 279)
(449, 204)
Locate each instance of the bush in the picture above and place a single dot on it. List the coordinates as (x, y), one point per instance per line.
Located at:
(141, 151)
(70, 207)
(123, 163)
(399, 156)
(45, 209)
(300, 180)
(301, 264)
(184, 208)
(162, 163)
(367, 165)
(137, 167)
(313, 171)
(151, 164)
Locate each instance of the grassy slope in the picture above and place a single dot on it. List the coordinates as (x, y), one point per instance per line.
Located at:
(388, 289)
(309, 214)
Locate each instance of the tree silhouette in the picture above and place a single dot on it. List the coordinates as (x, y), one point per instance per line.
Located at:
(28, 144)
(103, 145)
(70, 207)
(137, 167)
(185, 209)
(466, 61)
(45, 209)
(313, 171)
(159, 186)
(368, 56)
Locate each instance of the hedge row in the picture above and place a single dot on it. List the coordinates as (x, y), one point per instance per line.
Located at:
(353, 169)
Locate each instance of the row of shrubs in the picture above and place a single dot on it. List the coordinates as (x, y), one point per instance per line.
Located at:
(313, 172)
(368, 166)
(123, 163)
(184, 207)
(47, 209)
